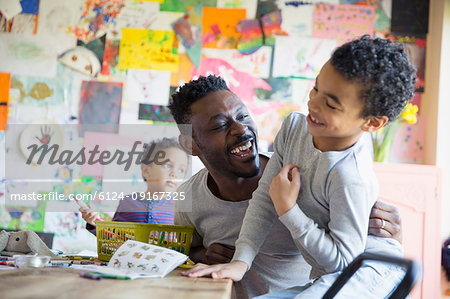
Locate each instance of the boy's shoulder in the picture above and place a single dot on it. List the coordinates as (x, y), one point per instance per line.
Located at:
(356, 165)
(294, 123)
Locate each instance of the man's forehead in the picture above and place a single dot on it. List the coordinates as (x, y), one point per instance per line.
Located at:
(216, 103)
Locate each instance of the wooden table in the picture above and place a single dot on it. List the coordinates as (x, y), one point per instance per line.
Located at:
(66, 283)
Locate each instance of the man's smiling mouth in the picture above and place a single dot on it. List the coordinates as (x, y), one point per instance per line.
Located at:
(242, 150)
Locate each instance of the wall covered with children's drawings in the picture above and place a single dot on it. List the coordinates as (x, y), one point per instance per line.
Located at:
(117, 62)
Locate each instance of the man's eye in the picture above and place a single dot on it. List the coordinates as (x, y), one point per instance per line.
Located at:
(242, 117)
(220, 126)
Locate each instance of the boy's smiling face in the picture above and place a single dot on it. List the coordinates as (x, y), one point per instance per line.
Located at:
(335, 111)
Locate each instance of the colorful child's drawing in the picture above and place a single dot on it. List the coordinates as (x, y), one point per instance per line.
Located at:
(96, 17)
(111, 59)
(343, 22)
(5, 83)
(148, 49)
(219, 27)
(100, 105)
(249, 5)
(155, 113)
(258, 63)
(21, 24)
(409, 143)
(255, 33)
(30, 6)
(301, 57)
(182, 6)
(24, 217)
(183, 74)
(59, 17)
(148, 86)
(135, 14)
(189, 30)
(38, 91)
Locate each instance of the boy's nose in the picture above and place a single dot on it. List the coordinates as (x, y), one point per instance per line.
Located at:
(312, 105)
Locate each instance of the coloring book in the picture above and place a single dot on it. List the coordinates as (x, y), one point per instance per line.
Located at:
(141, 260)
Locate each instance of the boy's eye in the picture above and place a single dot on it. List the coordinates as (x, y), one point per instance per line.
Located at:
(168, 166)
(315, 88)
(331, 107)
(181, 171)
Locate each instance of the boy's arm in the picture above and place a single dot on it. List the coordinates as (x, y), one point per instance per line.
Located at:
(260, 213)
(333, 249)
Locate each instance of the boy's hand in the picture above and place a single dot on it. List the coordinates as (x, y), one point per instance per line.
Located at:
(284, 188)
(385, 221)
(89, 215)
(234, 270)
(218, 254)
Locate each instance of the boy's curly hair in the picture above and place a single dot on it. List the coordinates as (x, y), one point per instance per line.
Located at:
(383, 69)
(154, 146)
(181, 102)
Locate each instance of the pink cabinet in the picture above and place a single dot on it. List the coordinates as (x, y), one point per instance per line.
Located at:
(415, 191)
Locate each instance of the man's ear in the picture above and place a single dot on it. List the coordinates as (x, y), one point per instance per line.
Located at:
(375, 123)
(188, 144)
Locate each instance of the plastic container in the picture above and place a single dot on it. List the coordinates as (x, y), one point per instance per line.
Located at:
(31, 261)
(111, 235)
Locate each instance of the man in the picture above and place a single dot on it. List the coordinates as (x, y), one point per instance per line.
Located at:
(224, 137)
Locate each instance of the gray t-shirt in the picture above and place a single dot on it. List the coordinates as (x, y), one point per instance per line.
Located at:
(329, 224)
(219, 221)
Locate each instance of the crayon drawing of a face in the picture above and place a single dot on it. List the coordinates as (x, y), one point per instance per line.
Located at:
(116, 263)
(155, 268)
(143, 267)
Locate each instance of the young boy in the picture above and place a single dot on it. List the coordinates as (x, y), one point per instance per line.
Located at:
(365, 84)
(151, 206)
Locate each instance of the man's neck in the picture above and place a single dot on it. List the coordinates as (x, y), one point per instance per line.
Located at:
(235, 189)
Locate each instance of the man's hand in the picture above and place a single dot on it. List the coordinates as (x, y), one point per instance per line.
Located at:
(284, 188)
(234, 270)
(218, 254)
(385, 221)
(89, 215)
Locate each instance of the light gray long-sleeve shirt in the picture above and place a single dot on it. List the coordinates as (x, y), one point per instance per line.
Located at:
(219, 221)
(330, 221)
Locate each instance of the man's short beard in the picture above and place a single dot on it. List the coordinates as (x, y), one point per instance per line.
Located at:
(247, 175)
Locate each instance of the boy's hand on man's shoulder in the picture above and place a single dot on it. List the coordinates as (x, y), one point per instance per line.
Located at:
(385, 221)
(284, 188)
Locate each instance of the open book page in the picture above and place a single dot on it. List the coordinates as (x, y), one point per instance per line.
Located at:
(136, 259)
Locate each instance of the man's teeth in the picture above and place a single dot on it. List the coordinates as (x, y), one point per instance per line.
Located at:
(241, 148)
